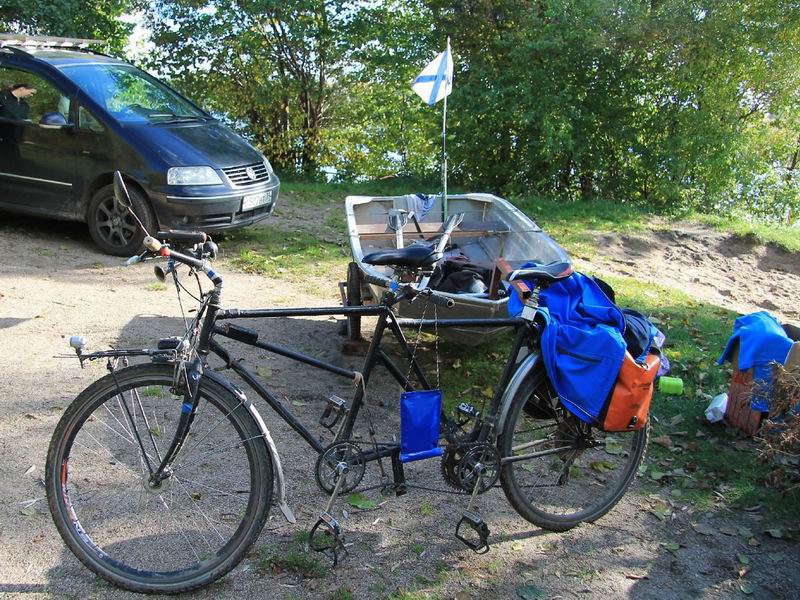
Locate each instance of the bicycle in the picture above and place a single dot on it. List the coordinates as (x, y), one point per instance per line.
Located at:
(160, 475)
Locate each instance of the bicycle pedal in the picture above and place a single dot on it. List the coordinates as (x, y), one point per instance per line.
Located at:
(466, 409)
(477, 541)
(326, 537)
(334, 410)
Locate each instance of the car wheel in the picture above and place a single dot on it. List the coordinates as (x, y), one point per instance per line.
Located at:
(112, 227)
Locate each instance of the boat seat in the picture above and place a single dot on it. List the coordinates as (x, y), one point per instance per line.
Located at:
(411, 257)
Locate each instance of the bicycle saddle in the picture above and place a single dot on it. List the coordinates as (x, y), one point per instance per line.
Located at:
(412, 257)
(555, 271)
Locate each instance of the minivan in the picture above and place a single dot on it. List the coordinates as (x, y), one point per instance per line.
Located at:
(91, 115)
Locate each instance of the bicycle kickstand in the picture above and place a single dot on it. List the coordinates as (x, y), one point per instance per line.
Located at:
(326, 534)
(473, 521)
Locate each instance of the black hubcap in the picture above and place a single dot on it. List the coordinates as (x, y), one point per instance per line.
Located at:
(115, 224)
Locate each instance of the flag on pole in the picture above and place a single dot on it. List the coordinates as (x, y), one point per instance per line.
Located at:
(436, 80)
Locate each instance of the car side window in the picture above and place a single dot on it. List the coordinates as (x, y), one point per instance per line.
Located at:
(88, 122)
(25, 96)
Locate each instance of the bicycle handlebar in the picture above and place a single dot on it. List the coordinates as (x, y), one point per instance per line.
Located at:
(187, 237)
(433, 297)
(442, 301)
(154, 246)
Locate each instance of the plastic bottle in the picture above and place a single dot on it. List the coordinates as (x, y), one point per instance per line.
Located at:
(716, 410)
(670, 385)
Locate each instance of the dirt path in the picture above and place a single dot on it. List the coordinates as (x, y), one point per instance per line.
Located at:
(54, 283)
(716, 267)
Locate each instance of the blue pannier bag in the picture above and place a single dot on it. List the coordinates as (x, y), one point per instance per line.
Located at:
(582, 344)
(420, 413)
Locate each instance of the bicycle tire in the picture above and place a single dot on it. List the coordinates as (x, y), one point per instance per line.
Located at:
(590, 468)
(123, 547)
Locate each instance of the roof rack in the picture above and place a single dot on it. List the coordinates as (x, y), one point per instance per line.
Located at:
(41, 41)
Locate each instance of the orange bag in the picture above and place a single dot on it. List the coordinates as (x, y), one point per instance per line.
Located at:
(629, 403)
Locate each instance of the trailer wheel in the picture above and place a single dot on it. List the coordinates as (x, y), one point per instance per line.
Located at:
(353, 299)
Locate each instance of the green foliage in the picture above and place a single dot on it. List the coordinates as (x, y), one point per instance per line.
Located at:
(98, 19)
(675, 105)
(267, 65)
(668, 103)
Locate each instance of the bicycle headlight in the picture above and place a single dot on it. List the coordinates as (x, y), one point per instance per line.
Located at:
(193, 176)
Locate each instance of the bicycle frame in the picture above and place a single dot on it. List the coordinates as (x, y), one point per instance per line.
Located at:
(374, 356)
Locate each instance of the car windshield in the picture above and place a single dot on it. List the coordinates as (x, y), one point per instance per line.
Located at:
(131, 95)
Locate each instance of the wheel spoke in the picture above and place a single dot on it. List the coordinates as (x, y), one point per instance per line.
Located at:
(186, 525)
(565, 472)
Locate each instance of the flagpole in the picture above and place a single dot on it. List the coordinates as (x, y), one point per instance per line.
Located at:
(444, 145)
(444, 161)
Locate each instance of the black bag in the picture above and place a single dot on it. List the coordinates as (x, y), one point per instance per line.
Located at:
(460, 277)
(639, 331)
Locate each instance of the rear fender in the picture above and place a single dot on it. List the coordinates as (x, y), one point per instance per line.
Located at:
(273, 450)
(528, 365)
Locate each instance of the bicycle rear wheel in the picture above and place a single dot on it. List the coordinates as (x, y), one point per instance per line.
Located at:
(572, 473)
(199, 522)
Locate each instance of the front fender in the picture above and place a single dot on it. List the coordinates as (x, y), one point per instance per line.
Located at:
(526, 367)
(273, 450)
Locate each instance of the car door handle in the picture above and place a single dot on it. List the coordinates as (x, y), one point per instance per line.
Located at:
(87, 152)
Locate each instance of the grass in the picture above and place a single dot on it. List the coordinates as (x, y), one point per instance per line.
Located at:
(341, 593)
(576, 224)
(426, 509)
(301, 562)
(782, 236)
(297, 559)
(406, 594)
(284, 254)
(321, 194)
(707, 470)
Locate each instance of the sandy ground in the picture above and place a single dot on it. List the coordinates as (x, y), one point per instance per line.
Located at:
(54, 283)
(709, 265)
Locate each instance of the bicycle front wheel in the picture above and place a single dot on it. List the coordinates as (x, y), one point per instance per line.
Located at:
(558, 471)
(198, 523)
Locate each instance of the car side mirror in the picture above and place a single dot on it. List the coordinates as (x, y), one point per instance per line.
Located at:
(53, 120)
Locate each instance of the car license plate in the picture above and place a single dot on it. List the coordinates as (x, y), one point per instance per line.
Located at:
(254, 201)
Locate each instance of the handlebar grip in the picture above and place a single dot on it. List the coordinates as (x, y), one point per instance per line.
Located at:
(188, 237)
(442, 301)
(185, 259)
(377, 280)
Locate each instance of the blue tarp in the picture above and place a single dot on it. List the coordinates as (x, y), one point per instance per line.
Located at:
(762, 341)
(582, 344)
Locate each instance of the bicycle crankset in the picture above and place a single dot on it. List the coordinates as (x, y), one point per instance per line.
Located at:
(479, 463)
(326, 472)
(450, 459)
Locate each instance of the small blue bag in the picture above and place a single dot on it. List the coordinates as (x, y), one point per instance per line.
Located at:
(420, 413)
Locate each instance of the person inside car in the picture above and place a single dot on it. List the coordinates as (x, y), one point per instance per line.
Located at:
(13, 104)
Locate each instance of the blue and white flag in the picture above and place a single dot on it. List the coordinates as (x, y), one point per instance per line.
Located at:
(436, 80)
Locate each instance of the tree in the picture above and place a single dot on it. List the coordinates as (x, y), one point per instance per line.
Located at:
(98, 19)
(661, 102)
(266, 63)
